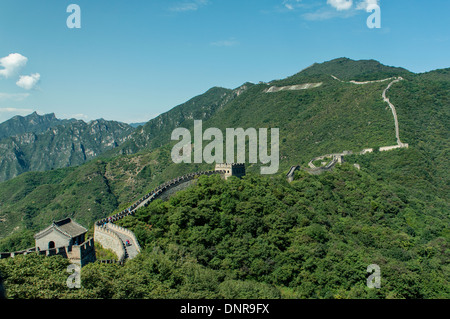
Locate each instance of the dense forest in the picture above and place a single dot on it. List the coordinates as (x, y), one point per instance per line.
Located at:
(331, 118)
(260, 237)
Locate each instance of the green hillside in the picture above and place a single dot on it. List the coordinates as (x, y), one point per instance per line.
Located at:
(87, 192)
(331, 118)
(157, 132)
(347, 70)
(261, 236)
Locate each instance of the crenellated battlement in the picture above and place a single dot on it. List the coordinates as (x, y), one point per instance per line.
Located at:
(65, 232)
(77, 254)
(110, 240)
(231, 169)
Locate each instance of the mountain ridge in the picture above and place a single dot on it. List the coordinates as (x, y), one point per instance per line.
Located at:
(331, 118)
(51, 143)
(32, 123)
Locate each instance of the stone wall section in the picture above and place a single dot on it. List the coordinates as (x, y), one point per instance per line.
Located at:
(109, 240)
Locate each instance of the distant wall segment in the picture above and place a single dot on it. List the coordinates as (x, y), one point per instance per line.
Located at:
(107, 234)
(109, 240)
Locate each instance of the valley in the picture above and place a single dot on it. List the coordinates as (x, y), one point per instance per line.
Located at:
(262, 236)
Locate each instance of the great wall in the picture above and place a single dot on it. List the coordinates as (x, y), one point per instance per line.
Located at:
(78, 254)
(339, 157)
(114, 237)
(118, 239)
(304, 86)
(124, 243)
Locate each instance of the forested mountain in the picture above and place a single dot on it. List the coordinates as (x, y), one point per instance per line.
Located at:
(157, 132)
(41, 143)
(333, 117)
(261, 236)
(33, 123)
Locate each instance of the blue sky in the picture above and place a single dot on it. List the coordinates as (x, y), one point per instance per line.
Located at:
(132, 60)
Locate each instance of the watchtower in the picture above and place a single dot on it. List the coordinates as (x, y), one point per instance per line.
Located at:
(63, 233)
(66, 238)
(231, 169)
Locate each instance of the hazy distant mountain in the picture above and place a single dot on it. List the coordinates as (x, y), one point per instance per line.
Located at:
(33, 123)
(136, 125)
(332, 117)
(40, 143)
(157, 131)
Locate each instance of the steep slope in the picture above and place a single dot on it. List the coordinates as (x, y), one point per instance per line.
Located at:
(125, 177)
(320, 118)
(87, 192)
(157, 131)
(332, 117)
(422, 105)
(260, 237)
(347, 70)
(437, 75)
(33, 123)
(69, 144)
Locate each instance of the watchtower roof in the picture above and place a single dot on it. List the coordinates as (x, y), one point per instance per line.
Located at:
(65, 226)
(220, 165)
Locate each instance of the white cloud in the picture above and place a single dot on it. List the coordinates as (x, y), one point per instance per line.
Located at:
(189, 5)
(367, 5)
(339, 9)
(341, 4)
(327, 13)
(11, 64)
(292, 4)
(28, 82)
(13, 96)
(225, 43)
(320, 15)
